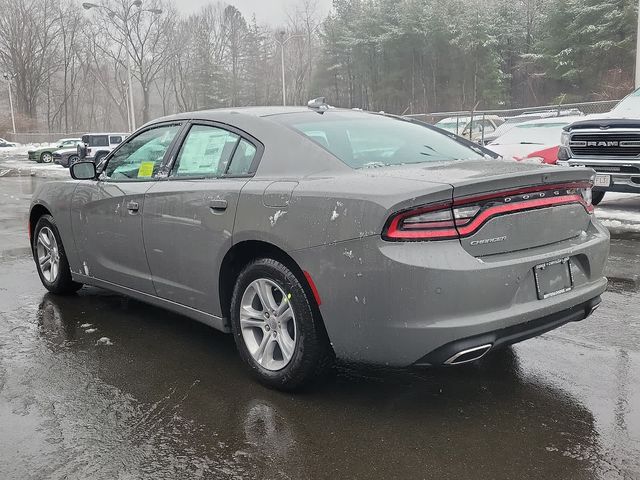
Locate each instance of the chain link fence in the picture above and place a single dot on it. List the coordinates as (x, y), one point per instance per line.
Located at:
(37, 138)
(478, 124)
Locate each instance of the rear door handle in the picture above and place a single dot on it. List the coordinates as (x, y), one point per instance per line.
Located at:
(218, 205)
(133, 207)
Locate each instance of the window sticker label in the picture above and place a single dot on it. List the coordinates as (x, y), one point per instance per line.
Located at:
(146, 169)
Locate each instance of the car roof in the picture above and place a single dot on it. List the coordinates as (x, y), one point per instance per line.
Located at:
(104, 133)
(216, 113)
(543, 121)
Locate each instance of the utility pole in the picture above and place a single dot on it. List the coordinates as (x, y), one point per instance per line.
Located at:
(8, 78)
(282, 42)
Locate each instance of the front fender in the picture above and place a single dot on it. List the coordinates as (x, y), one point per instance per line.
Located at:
(56, 198)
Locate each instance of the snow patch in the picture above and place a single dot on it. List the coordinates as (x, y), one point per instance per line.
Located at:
(91, 330)
(85, 325)
(348, 253)
(273, 219)
(334, 215)
(104, 341)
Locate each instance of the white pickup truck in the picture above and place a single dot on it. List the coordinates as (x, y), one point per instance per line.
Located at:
(610, 144)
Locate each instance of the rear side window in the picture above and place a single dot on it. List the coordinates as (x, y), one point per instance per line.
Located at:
(96, 140)
(364, 140)
(115, 140)
(205, 152)
(242, 159)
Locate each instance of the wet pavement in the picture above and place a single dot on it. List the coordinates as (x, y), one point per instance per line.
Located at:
(98, 386)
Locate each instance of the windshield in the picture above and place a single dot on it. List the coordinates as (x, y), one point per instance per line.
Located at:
(629, 105)
(367, 140)
(536, 133)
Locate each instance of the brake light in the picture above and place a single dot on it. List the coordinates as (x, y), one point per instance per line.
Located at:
(465, 216)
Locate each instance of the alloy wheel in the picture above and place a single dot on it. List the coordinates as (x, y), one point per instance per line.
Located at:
(47, 158)
(48, 254)
(268, 324)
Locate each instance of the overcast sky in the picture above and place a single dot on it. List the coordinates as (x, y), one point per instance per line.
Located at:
(267, 11)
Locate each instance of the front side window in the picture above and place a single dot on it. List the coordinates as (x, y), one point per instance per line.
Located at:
(205, 152)
(141, 157)
(116, 140)
(363, 140)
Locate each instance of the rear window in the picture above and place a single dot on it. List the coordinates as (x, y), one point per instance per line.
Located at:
(96, 140)
(367, 140)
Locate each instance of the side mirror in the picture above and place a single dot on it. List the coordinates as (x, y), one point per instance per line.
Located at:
(83, 171)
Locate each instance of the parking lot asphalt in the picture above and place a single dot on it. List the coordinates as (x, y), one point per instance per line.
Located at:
(99, 386)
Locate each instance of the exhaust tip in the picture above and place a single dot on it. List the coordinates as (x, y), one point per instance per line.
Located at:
(469, 355)
(594, 308)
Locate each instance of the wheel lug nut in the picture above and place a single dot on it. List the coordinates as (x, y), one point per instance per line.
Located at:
(275, 334)
(267, 328)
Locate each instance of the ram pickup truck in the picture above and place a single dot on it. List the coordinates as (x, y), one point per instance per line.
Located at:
(608, 143)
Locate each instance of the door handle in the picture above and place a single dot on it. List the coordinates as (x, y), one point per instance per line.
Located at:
(133, 207)
(218, 205)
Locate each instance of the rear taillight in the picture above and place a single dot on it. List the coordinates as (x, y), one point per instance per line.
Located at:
(464, 216)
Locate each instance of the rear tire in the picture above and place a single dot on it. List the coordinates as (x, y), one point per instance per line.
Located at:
(284, 344)
(51, 259)
(596, 197)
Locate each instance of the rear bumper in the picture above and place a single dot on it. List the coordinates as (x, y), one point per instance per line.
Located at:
(625, 181)
(398, 303)
(448, 354)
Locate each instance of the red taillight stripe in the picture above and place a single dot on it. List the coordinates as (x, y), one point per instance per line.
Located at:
(464, 227)
(312, 285)
(517, 207)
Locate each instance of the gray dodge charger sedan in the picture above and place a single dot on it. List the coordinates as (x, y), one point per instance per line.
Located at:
(316, 233)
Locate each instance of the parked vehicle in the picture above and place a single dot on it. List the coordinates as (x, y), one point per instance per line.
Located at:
(314, 232)
(535, 140)
(5, 143)
(45, 154)
(608, 143)
(472, 128)
(66, 156)
(511, 122)
(96, 146)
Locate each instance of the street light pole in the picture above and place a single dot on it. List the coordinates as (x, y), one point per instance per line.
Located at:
(638, 49)
(7, 77)
(282, 43)
(131, 113)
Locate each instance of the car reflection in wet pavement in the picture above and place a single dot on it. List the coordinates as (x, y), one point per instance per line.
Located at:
(100, 386)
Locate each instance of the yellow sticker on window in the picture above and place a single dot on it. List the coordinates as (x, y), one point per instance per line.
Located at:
(146, 169)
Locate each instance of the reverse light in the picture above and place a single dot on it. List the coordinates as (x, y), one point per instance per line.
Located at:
(465, 216)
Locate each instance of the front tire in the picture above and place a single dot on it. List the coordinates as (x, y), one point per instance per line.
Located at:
(73, 159)
(596, 197)
(51, 259)
(99, 158)
(46, 157)
(276, 328)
